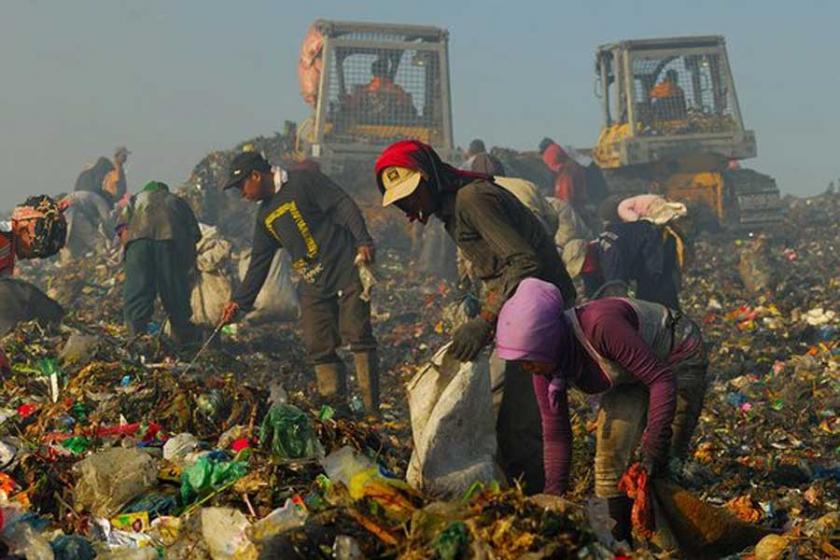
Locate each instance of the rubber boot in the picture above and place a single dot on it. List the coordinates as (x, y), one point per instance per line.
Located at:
(620, 509)
(367, 375)
(330, 379)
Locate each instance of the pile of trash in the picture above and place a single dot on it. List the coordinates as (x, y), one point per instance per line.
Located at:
(108, 449)
(112, 447)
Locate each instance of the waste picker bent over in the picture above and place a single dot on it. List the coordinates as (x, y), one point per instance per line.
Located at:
(160, 233)
(504, 243)
(323, 230)
(648, 362)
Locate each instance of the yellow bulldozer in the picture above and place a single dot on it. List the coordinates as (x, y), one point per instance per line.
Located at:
(672, 125)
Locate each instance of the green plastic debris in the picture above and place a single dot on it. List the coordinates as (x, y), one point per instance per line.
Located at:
(208, 475)
(452, 543)
(79, 411)
(327, 413)
(479, 487)
(48, 366)
(287, 431)
(76, 444)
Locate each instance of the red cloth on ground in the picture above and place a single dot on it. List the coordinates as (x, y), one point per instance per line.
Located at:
(636, 485)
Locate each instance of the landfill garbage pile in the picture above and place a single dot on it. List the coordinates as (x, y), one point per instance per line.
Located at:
(108, 448)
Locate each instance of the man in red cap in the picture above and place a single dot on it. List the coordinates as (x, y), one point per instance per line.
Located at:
(505, 243)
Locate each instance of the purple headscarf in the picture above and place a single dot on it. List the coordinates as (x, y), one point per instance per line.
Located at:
(531, 324)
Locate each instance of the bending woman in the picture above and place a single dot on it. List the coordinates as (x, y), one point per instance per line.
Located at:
(647, 361)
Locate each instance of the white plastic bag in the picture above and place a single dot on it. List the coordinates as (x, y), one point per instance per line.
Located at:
(278, 299)
(452, 425)
(213, 288)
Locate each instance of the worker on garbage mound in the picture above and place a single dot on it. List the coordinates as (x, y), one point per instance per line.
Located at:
(505, 243)
(648, 363)
(322, 228)
(159, 232)
(37, 230)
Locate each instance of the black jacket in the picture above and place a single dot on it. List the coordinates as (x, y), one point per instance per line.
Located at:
(318, 224)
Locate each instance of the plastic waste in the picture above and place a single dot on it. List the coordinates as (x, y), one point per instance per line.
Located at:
(76, 444)
(452, 541)
(357, 406)
(49, 367)
(292, 515)
(277, 394)
(366, 276)
(224, 532)
(154, 504)
(8, 451)
(108, 480)
(129, 553)
(20, 537)
(209, 474)
(72, 547)
(346, 547)
(365, 478)
(287, 431)
(137, 522)
(79, 348)
(176, 448)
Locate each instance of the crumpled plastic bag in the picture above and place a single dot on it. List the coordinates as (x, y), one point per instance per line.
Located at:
(288, 432)
(209, 474)
(110, 479)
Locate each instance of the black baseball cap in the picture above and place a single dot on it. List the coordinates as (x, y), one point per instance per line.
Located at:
(243, 165)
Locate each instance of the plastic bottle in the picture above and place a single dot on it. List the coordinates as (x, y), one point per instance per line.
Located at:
(292, 515)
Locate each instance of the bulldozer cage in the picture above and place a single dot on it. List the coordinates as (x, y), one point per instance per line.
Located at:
(669, 88)
(382, 83)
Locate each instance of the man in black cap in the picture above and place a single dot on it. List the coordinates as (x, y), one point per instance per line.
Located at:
(306, 213)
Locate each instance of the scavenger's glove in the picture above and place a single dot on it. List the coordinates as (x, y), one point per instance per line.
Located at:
(470, 338)
(230, 312)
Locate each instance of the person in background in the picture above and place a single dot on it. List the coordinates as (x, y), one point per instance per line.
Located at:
(646, 361)
(306, 213)
(159, 232)
(504, 243)
(480, 161)
(114, 183)
(569, 175)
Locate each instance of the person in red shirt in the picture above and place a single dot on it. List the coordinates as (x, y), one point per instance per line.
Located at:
(569, 175)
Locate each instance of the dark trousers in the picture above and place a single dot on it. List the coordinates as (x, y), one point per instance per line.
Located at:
(329, 319)
(519, 431)
(155, 268)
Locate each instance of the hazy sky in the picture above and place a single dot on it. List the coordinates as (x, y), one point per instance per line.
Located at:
(175, 79)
